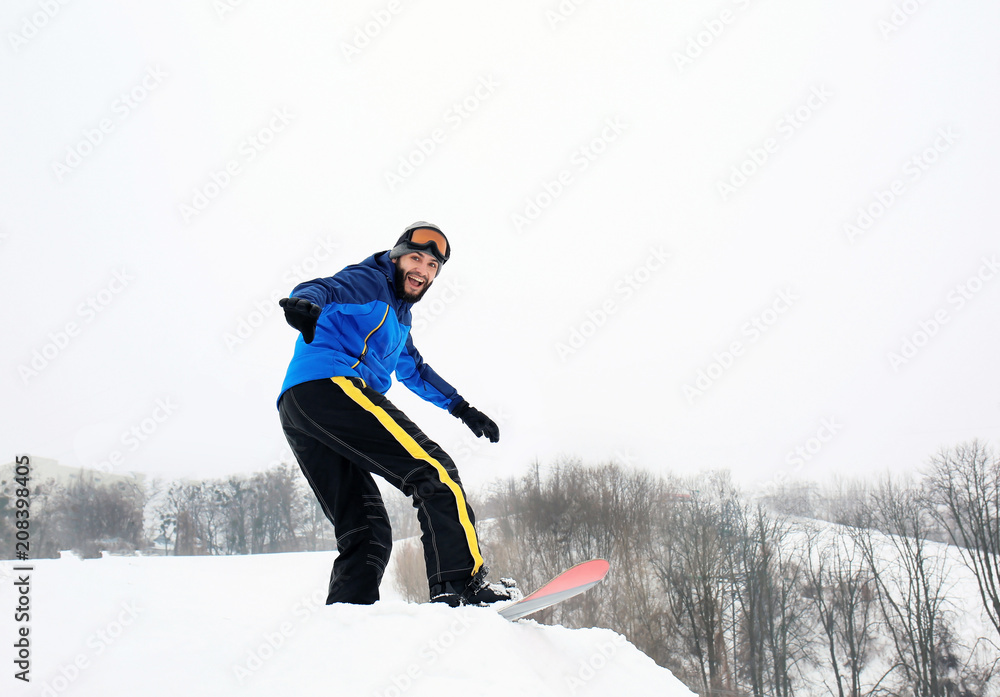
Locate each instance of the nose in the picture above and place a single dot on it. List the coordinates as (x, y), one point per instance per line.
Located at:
(426, 270)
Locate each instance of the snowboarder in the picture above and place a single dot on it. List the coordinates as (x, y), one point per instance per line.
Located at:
(354, 333)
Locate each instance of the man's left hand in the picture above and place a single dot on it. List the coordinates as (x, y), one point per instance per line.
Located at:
(480, 423)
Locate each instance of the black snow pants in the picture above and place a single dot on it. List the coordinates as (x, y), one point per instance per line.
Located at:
(342, 432)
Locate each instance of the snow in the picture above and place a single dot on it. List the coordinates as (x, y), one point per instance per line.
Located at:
(257, 625)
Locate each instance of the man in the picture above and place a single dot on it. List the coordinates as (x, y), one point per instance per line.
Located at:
(354, 333)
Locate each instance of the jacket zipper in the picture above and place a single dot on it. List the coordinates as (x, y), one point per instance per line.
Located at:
(364, 350)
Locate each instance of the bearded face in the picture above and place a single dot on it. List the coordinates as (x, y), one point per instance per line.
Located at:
(415, 273)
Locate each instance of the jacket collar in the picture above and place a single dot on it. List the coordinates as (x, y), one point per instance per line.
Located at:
(383, 263)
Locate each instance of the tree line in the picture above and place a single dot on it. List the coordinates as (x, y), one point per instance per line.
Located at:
(736, 593)
(753, 595)
(271, 511)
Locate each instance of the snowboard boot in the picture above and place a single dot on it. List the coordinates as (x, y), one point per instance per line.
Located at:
(474, 591)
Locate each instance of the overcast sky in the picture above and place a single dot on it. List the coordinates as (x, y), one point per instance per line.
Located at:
(752, 234)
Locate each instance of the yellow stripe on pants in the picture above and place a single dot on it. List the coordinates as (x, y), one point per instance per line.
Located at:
(415, 451)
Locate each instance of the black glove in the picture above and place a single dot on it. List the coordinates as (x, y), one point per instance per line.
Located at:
(302, 315)
(480, 423)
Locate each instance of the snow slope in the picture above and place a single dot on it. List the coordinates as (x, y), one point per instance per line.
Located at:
(257, 625)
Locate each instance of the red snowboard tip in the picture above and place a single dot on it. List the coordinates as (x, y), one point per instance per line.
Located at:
(588, 572)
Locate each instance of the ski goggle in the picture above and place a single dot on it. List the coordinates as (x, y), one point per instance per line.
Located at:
(429, 240)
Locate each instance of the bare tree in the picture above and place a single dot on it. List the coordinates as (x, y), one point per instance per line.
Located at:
(543, 524)
(965, 488)
(693, 566)
(276, 510)
(191, 517)
(773, 639)
(910, 580)
(45, 540)
(410, 570)
(844, 501)
(89, 518)
(841, 589)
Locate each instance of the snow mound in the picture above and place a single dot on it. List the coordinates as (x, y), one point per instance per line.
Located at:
(257, 625)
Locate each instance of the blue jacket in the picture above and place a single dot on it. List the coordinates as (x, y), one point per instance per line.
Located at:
(364, 331)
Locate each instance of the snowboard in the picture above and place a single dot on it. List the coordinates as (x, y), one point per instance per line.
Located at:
(573, 581)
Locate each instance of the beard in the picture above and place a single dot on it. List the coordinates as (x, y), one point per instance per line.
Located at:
(401, 291)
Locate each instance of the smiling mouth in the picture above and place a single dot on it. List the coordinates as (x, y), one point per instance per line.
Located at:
(416, 281)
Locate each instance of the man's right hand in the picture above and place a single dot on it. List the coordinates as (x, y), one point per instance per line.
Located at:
(302, 315)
